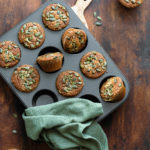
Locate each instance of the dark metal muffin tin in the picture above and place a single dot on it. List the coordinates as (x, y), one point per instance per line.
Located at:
(46, 92)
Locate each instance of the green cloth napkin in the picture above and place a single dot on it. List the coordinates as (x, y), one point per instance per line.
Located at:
(68, 124)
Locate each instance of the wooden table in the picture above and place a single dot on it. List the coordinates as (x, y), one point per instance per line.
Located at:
(125, 35)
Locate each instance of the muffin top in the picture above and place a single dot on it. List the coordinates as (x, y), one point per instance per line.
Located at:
(31, 35)
(113, 89)
(25, 78)
(131, 3)
(50, 62)
(74, 40)
(50, 56)
(69, 83)
(55, 17)
(93, 64)
(9, 54)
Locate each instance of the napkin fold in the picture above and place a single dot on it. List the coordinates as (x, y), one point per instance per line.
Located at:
(68, 124)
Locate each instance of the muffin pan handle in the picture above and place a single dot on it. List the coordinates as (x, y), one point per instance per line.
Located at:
(79, 9)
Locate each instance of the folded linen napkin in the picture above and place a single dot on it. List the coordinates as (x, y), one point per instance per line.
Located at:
(68, 124)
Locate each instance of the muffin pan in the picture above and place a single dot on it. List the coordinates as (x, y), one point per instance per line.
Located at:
(46, 92)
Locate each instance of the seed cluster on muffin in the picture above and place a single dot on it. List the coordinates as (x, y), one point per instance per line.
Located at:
(31, 35)
(69, 83)
(25, 78)
(93, 64)
(55, 17)
(74, 40)
(112, 89)
(131, 3)
(9, 54)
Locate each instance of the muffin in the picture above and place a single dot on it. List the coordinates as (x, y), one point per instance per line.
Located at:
(50, 62)
(93, 64)
(69, 83)
(131, 3)
(55, 17)
(74, 40)
(9, 54)
(113, 89)
(25, 78)
(31, 35)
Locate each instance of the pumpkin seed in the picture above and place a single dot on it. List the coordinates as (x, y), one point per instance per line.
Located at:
(3, 43)
(30, 38)
(52, 19)
(53, 8)
(24, 26)
(47, 19)
(58, 12)
(74, 86)
(1, 50)
(76, 74)
(35, 27)
(37, 43)
(99, 18)
(52, 16)
(15, 46)
(41, 36)
(22, 30)
(30, 28)
(98, 70)
(94, 13)
(32, 46)
(37, 34)
(79, 83)
(14, 131)
(120, 84)
(98, 23)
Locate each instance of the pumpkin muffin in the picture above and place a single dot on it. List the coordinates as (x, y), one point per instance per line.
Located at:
(55, 17)
(31, 35)
(50, 62)
(93, 64)
(131, 3)
(25, 78)
(113, 89)
(69, 83)
(9, 54)
(74, 40)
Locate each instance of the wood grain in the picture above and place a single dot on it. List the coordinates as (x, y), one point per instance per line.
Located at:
(125, 35)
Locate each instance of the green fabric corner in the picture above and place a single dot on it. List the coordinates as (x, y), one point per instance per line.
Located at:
(68, 124)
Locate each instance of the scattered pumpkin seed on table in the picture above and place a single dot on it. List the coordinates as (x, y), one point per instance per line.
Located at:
(99, 19)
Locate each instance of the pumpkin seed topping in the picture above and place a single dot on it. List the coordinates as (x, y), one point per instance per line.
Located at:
(37, 34)
(70, 81)
(56, 15)
(98, 23)
(1, 50)
(94, 14)
(27, 76)
(115, 80)
(120, 85)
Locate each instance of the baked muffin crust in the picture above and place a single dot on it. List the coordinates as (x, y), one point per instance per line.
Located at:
(25, 78)
(74, 40)
(69, 83)
(113, 89)
(93, 64)
(55, 17)
(31, 35)
(10, 54)
(50, 62)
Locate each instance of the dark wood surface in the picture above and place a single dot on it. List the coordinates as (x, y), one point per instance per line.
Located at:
(125, 35)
